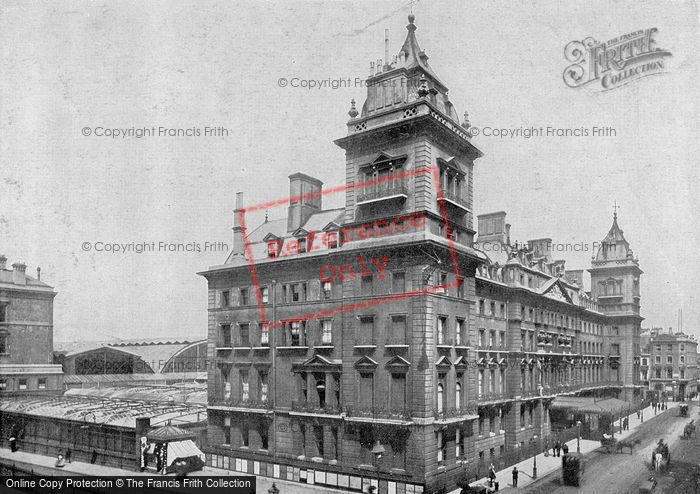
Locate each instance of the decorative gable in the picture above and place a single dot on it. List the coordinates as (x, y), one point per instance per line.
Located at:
(556, 292)
(366, 364)
(443, 364)
(398, 364)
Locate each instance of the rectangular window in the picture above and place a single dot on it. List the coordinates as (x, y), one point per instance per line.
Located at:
(42, 383)
(481, 307)
(398, 330)
(265, 295)
(263, 432)
(669, 359)
(245, 385)
(367, 283)
(297, 333)
(225, 336)
(398, 392)
(502, 339)
(460, 287)
(264, 334)
(459, 332)
(318, 440)
(492, 338)
(244, 334)
(243, 297)
(245, 435)
(227, 431)
(366, 390)
(326, 331)
(262, 386)
(459, 442)
(225, 298)
(682, 373)
(440, 448)
(441, 326)
(327, 287)
(682, 357)
(3, 312)
(22, 384)
(332, 240)
(3, 342)
(502, 311)
(480, 388)
(493, 309)
(366, 336)
(3, 384)
(482, 336)
(398, 282)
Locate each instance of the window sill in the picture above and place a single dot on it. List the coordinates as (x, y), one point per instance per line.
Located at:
(293, 347)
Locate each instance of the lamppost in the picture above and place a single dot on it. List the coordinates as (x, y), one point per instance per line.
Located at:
(578, 437)
(534, 461)
(377, 451)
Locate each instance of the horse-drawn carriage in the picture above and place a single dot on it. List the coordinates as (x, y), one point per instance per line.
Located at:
(608, 443)
(683, 410)
(660, 456)
(689, 429)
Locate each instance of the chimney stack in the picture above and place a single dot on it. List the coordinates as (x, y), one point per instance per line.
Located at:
(386, 48)
(19, 273)
(3, 261)
(238, 243)
(304, 199)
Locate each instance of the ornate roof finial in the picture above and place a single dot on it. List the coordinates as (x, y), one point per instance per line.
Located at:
(411, 26)
(353, 111)
(266, 216)
(615, 208)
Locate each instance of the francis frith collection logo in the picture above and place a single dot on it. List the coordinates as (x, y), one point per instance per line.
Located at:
(614, 63)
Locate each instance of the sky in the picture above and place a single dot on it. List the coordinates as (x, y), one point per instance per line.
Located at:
(80, 67)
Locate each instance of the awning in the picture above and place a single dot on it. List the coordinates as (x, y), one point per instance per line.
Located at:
(181, 450)
(589, 405)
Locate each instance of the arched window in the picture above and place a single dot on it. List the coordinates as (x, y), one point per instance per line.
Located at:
(440, 397)
(458, 396)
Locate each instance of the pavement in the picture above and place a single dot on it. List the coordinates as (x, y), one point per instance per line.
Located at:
(549, 464)
(45, 465)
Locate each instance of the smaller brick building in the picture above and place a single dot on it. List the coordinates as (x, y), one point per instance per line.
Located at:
(672, 365)
(26, 333)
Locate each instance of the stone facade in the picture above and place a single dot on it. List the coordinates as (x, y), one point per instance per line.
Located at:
(379, 344)
(26, 333)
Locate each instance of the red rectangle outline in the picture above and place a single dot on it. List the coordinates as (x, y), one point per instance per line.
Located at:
(343, 188)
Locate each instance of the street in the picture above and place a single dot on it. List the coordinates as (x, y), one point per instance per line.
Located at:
(623, 473)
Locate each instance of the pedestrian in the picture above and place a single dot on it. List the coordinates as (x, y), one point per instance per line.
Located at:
(68, 455)
(557, 447)
(13, 443)
(565, 449)
(93, 458)
(515, 476)
(546, 447)
(492, 475)
(639, 414)
(625, 424)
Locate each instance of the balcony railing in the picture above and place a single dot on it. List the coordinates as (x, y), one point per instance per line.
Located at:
(241, 403)
(306, 407)
(451, 413)
(378, 413)
(383, 191)
(454, 198)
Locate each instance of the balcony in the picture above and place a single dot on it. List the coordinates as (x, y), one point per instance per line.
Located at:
(450, 415)
(454, 199)
(397, 189)
(244, 406)
(400, 416)
(306, 408)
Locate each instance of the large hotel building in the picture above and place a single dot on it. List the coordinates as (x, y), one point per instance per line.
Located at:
(383, 343)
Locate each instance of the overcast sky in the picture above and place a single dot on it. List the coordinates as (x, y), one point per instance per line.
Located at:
(70, 65)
